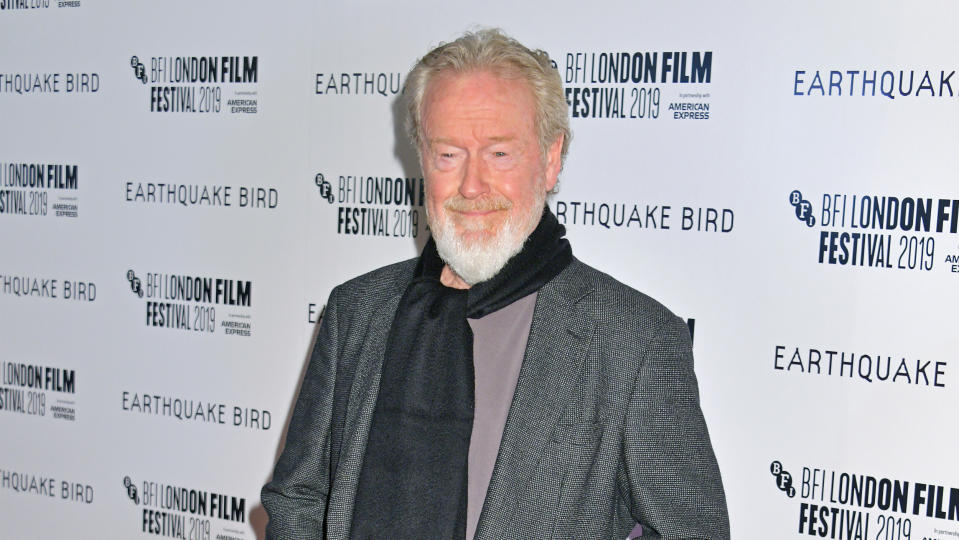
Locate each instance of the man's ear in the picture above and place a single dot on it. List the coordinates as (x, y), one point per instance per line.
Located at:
(554, 162)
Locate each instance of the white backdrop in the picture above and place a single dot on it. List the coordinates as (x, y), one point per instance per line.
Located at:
(120, 423)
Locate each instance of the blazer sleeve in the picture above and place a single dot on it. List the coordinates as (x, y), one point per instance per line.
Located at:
(673, 479)
(295, 499)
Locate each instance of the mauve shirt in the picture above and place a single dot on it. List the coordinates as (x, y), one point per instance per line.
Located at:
(499, 344)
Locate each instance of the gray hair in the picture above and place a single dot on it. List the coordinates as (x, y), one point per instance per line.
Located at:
(492, 50)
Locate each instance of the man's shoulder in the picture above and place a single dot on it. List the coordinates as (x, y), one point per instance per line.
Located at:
(612, 302)
(380, 284)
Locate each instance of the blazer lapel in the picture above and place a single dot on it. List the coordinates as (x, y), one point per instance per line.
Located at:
(558, 342)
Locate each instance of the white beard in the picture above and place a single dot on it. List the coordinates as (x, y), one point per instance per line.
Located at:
(477, 261)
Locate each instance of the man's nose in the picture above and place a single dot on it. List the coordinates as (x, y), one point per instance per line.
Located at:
(475, 178)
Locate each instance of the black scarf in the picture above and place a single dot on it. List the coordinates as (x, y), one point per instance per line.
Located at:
(413, 483)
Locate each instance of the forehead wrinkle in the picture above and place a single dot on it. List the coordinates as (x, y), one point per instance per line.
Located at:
(457, 115)
(495, 139)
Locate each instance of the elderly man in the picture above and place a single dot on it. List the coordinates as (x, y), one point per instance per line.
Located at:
(495, 387)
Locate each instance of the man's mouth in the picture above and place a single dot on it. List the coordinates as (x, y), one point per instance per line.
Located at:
(477, 207)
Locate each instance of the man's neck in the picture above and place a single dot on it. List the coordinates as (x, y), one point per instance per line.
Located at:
(449, 278)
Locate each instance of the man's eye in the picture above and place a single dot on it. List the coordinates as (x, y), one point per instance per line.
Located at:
(499, 154)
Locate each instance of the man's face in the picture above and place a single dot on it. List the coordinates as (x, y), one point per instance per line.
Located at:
(486, 177)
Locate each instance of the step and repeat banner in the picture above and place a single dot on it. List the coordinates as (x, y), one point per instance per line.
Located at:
(182, 184)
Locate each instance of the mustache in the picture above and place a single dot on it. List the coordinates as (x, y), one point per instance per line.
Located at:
(482, 204)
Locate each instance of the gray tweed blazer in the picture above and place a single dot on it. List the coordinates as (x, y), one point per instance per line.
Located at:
(604, 431)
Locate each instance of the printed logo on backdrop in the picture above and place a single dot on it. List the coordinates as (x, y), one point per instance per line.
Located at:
(889, 84)
(34, 486)
(202, 195)
(190, 302)
(881, 232)
(17, 5)
(644, 216)
(39, 189)
(197, 411)
(38, 391)
(871, 368)
(199, 84)
(181, 512)
(49, 82)
(358, 83)
(27, 286)
(644, 85)
(374, 205)
(853, 506)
